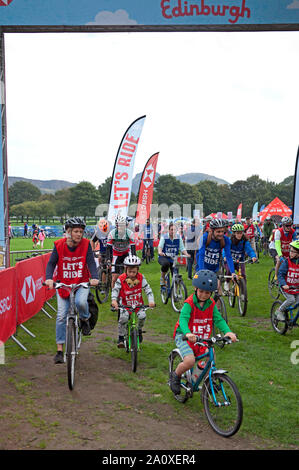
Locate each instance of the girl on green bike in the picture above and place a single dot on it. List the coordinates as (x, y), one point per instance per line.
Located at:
(197, 317)
(240, 246)
(128, 291)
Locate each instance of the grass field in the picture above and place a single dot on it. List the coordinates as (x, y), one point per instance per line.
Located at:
(260, 363)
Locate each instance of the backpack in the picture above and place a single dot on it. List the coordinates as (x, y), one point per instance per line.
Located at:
(93, 310)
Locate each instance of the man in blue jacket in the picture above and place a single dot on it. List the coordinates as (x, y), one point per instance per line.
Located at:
(210, 249)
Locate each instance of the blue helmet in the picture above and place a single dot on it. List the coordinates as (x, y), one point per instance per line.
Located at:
(205, 280)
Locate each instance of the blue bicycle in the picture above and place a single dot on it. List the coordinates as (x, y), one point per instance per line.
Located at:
(282, 325)
(220, 396)
(175, 289)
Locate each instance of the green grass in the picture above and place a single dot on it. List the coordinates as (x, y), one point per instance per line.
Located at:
(260, 363)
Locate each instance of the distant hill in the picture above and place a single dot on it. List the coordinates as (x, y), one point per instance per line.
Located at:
(193, 178)
(46, 187)
(190, 178)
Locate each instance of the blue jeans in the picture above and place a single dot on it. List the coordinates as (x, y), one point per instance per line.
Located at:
(63, 307)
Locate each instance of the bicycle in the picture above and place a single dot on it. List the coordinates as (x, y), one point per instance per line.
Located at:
(290, 319)
(73, 330)
(273, 285)
(238, 290)
(131, 339)
(175, 289)
(220, 396)
(105, 278)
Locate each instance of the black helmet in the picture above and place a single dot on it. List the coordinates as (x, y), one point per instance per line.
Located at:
(217, 223)
(75, 222)
(205, 280)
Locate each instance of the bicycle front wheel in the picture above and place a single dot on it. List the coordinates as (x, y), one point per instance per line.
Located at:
(231, 294)
(242, 299)
(178, 295)
(273, 285)
(134, 349)
(280, 326)
(71, 353)
(102, 291)
(222, 405)
(164, 290)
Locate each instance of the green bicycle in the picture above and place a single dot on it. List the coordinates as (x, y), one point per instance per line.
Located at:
(131, 339)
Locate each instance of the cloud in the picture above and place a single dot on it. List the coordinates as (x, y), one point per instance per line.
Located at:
(294, 5)
(119, 17)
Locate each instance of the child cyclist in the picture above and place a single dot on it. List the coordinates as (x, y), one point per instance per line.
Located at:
(197, 317)
(239, 247)
(128, 291)
(288, 277)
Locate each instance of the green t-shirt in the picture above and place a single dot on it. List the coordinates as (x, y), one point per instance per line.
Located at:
(185, 314)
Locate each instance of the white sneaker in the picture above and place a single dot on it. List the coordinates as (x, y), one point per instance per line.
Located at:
(226, 286)
(280, 315)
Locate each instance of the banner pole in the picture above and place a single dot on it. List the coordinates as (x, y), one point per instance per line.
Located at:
(4, 219)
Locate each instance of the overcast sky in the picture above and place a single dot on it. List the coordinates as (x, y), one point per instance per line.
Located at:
(225, 104)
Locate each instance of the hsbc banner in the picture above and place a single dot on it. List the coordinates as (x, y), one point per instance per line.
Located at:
(146, 189)
(121, 184)
(8, 280)
(31, 292)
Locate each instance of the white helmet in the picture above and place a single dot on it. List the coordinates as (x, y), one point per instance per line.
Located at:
(132, 260)
(120, 219)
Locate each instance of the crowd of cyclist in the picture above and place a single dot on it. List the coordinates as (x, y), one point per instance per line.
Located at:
(206, 244)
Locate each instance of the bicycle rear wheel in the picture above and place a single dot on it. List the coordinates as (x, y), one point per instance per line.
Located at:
(280, 326)
(273, 285)
(242, 298)
(71, 353)
(226, 415)
(178, 295)
(134, 349)
(186, 385)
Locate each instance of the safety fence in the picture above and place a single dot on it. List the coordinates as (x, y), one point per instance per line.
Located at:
(22, 295)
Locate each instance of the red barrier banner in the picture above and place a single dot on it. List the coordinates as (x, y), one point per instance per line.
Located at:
(48, 293)
(8, 281)
(31, 292)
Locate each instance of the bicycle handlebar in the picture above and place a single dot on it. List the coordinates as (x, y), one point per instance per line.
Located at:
(59, 285)
(129, 307)
(209, 342)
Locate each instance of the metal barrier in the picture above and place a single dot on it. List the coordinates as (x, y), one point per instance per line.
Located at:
(16, 256)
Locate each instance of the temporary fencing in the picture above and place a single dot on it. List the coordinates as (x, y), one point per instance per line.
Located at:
(22, 295)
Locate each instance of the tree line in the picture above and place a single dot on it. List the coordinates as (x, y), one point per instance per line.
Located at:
(26, 200)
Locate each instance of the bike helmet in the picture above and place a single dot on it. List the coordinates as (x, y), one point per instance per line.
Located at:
(217, 223)
(103, 225)
(120, 219)
(295, 244)
(75, 222)
(132, 260)
(286, 221)
(205, 280)
(237, 228)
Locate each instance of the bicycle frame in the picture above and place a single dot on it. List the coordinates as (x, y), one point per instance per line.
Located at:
(174, 272)
(132, 325)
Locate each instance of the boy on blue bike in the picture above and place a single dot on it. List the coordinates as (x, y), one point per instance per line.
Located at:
(197, 317)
